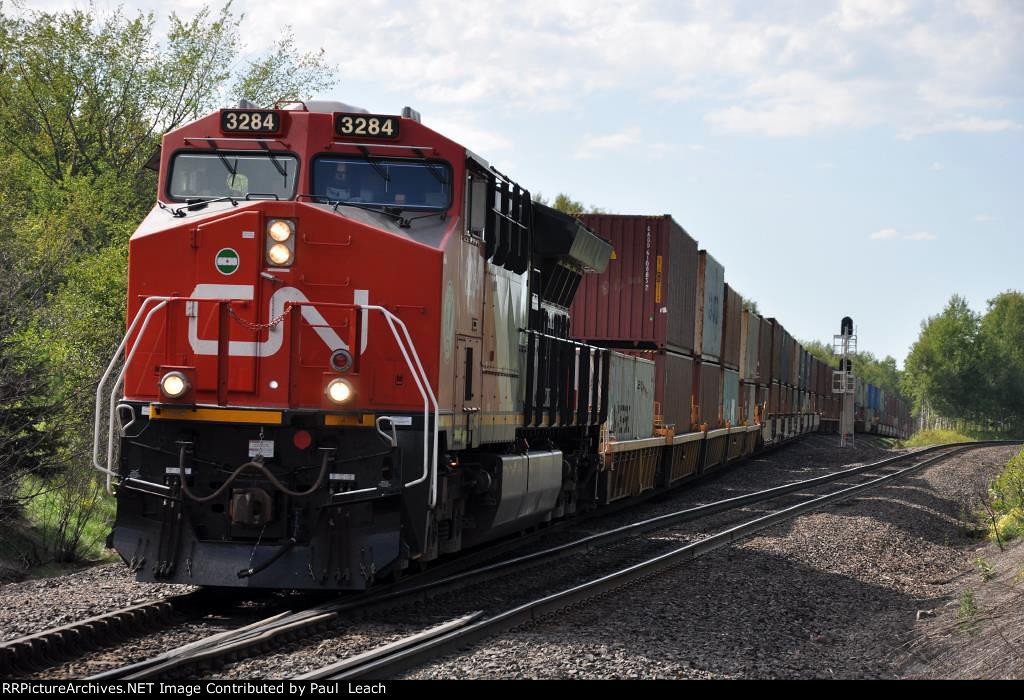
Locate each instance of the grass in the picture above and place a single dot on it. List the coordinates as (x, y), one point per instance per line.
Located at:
(1006, 496)
(54, 519)
(985, 569)
(924, 438)
(968, 613)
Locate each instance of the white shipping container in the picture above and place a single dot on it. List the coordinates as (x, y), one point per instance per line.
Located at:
(630, 397)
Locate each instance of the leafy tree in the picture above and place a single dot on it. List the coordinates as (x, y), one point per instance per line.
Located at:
(1001, 350)
(564, 203)
(944, 369)
(751, 306)
(84, 101)
(567, 205)
(821, 351)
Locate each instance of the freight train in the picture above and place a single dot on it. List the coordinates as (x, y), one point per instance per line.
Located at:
(354, 346)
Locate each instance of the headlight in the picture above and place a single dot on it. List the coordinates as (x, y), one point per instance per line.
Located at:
(339, 390)
(174, 385)
(279, 254)
(280, 230)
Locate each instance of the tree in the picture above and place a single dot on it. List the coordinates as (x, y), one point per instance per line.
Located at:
(751, 306)
(1001, 351)
(84, 101)
(567, 205)
(944, 369)
(80, 95)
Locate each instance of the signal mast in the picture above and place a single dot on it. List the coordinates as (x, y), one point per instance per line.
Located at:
(844, 383)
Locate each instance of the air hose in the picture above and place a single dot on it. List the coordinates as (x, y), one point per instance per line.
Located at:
(249, 465)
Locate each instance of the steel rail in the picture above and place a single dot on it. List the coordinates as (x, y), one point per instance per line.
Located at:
(408, 656)
(237, 642)
(66, 641)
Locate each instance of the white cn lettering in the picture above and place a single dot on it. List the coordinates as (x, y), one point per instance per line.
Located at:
(275, 335)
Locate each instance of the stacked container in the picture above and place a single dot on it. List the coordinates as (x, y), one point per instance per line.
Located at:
(646, 304)
(750, 355)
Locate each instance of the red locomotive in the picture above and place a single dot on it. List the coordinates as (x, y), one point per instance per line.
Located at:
(349, 351)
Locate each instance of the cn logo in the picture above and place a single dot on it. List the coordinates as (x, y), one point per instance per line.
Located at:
(275, 337)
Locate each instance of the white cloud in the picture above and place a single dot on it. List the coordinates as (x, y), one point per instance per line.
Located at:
(913, 67)
(632, 139)
(889, 234)
(936, 167)
(982, 218)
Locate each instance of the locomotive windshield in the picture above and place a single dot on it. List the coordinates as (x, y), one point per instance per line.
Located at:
(407, 184)
(221, 174)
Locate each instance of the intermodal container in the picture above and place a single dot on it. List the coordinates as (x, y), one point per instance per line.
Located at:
(730, 396)
(710, 307)
(750, 347)
(775, 399)
(707, 393)
(673, 387)
(630, 397)
(764, 352)
(732, 329)
(786, 368)
(647, 297)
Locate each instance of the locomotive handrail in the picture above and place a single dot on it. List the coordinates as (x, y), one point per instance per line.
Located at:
(419, 375)
(411, 356)
(113, 392)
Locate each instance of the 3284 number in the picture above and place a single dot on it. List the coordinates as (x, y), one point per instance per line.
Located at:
(260, 122)
(371, 125)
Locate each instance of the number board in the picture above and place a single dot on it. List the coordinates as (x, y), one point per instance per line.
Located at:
(250, 121)
(374, 126)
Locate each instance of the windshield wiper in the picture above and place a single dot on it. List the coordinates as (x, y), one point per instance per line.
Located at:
(231, 169)
(376, 166)
(403, 222)
(430, 166)
(194, 205)
(280, 168)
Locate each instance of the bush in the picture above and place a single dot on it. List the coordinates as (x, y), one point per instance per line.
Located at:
(1006, 496)
(72, 513)
(924, 438)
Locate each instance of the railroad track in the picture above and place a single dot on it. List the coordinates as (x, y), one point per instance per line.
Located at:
(53, 646)
(267, 634)
(406, 653)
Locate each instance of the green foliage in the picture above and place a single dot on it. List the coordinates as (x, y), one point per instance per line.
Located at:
(943, 368)
(567, 205)
(821, 351)
(283, 74)
(751, 306)
(967, 615)
(924, 438)
(970, 366)
(72, 522)
(1006, 501)
(984, 568)
(868, 369)
(85, 98)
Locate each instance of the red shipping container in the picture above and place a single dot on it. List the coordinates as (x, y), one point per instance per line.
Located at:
(707, 393)
(732, 328)
(764, 353)
(648, 295)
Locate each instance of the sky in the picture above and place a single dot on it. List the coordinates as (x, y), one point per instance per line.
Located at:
(855, 157)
